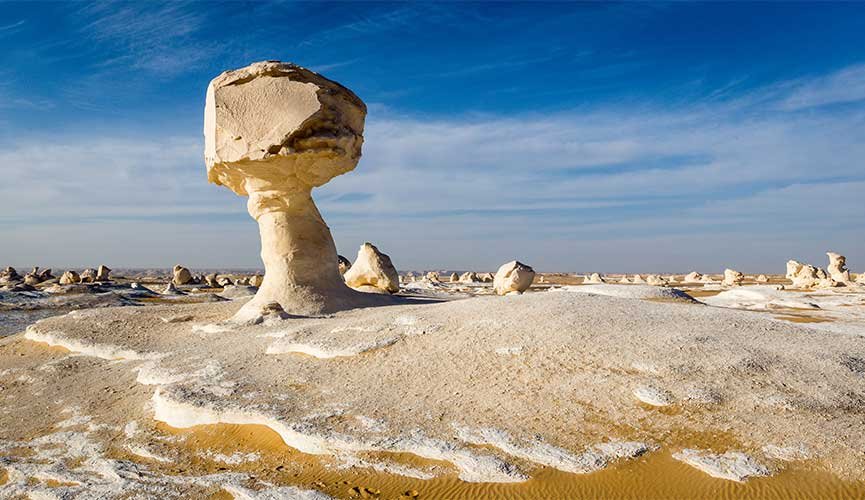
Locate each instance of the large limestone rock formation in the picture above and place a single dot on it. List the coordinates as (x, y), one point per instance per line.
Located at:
(372, 271)
(103, 273)
(182, 275)
(732, 278)
(624, 280)
(273, 132)
(256, 280)
(655, 280)
(638, 279)
(88, 275)
(455, 277)
(70, 278)
(594, 278)
(808, 276)
(433, 276)
(10, 275)
(513, 277)
(838, 268)
(470, 277)
(762, 279)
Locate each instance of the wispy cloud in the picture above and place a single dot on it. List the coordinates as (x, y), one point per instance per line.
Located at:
(846, 85)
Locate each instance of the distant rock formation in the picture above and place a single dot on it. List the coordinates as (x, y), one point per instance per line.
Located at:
(732, 278)
(171, 289)
(762, 279)
(624, 280)
(837, 268)
(470, 277)
(256, 280)
(372, 271)
(692, 277)
(88, 275)
(454, 277)
(638, 280)
(594, 278)
(513, 277)
(433, 276)
(210, 280)
(10, 275)
(70, 278)
(182, 276)
(808, 276)
(655, 280)
(103, 273)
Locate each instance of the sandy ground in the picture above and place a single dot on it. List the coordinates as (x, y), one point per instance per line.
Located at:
(554, 393)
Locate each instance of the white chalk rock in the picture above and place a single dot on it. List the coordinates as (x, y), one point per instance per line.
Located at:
(655, 280)
(638, 280)
(256, 280)
(513, 277)
(70, 278)
(653, 396)
(860, 278)
(594, 279)
(273, 132)
(732, 278)
(171, 289)
(371, 271)
(433, 276)
(733, 465)
(343, 264)
(182, 276)
(692, 277)
(88, 275)
(624, 280)
(838, 268)
(470, 277)
(455, 277)
(762, 279)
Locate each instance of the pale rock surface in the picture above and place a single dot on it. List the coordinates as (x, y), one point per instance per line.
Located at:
(171, 289)
(70, 278)
(433, 276)
(372, 270)
(10, 275)
(638, 280)
(838, 268)
(211, 280)
(808, 276)
(273, 131)
(706, 279)
(762, 279)
(513, 277)
(88, 275)
(103, 273)
(860, 278)
(343, 263)
(692, 277)
(256, 280)
(671, 279)
(732, 465)
(655, 280)
(624, 280)
(487, 277)
(732, 278)
(454, 278)
(182, 276)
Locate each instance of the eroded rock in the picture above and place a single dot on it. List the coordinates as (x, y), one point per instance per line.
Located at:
(513, 277)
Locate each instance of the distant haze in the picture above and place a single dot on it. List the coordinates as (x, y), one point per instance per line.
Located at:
(573, 137)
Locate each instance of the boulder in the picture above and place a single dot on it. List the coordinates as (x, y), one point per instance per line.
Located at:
(732, 278)
(594, 278)
(513, 277)
(487, 277)
(103, 273)
(372, 271)
(70, 278)
(433, 276)
(256, 280)
(470, 277)
(88, 275)
(454, 277)
(182, 276)
(210, 281)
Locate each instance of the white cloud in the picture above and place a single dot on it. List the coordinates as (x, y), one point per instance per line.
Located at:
(847, 85)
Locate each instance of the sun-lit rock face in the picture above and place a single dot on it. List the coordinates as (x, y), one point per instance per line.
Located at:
(70, 278)
(594, 278)
(372, 271)
(838, 267)
(692, 277)
(273, 131)
(732, 278)
(182, 275)
(513, 277)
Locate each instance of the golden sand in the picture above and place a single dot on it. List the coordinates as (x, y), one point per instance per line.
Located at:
(655, 475)
(4, 477)
(803, 318)
(701, 293)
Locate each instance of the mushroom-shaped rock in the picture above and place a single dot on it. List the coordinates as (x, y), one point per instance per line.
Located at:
(838, 267)
(732, 278)
(88, 275)
(273, 132)
(692, 277)
(455, 277)
(182, 276)
(372, 271)
(70, 278)
(343, 264)
(762, 279)
(103, 273)
(513, 277)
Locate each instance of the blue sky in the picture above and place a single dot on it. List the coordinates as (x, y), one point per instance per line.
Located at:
(574, 137)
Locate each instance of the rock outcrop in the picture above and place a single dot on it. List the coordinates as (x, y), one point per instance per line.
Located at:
(182, 276)
(454, 277)
(513, 277)
(88, 275)
(838, 268)
(211, 281)
(273, 132)
(762, 279)
(638, 280)
(624, 280)
(103, 273)
(808, 276)
(256, 280)
(9, 276)
(470, 277)
(433, 276)
(732, 278)
(372, 271)
(655, 280)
